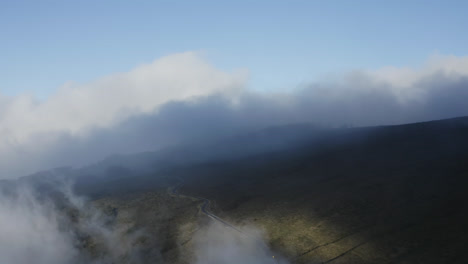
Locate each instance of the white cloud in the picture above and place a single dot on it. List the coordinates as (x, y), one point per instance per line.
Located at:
(30, 232)
(35, 230)
(404, 81)
(29, 127)
(154, 105)
(217, 244)
(75, 108)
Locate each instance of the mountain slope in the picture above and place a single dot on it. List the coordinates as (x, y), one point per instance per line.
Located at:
(376, 195)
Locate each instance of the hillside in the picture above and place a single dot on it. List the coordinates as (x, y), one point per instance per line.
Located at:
(390, 194)
(376, 195)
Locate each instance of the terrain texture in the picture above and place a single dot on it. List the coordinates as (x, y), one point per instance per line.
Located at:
(394, 194)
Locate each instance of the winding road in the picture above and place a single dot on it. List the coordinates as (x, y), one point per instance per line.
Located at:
(205, 207)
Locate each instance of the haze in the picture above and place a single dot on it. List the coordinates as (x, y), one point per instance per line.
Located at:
(110, 108)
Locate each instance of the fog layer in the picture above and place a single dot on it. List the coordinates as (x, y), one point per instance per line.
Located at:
(182, 98)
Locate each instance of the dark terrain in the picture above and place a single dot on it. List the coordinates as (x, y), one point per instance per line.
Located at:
(374, 195)
(390, 194)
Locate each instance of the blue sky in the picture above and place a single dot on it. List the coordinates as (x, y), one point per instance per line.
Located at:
(282, 43)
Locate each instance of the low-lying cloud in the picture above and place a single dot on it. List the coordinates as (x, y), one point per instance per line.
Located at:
(36, 229)
(216, 244)
(60, 227)
(30, 232)
(182, 98)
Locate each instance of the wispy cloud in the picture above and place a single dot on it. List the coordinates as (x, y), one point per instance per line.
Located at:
(215, 243)
(36, 229)
(30, 232)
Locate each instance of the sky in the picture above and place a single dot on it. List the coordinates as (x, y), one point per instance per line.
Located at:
(282, 44)
(82, 80)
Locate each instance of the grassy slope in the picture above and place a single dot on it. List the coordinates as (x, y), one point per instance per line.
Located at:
(389, 195)
(372, 195)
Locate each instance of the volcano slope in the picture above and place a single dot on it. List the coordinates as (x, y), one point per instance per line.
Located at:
(390, 194)
(394, 194)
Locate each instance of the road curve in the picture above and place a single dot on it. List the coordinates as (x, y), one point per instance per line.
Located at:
(205, 208)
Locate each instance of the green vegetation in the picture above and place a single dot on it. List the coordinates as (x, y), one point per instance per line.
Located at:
(372, 195)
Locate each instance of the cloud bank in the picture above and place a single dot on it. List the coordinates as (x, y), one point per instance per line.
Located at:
(182, 98)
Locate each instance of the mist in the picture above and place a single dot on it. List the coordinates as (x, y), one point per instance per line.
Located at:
(29, 224)
(215, 243)
(37, 228)
(181, 98)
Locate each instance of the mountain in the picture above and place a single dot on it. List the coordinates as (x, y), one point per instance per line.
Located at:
(388, 194)
(392, 194)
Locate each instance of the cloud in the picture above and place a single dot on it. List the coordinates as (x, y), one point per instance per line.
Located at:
(30, 232)
(36, 229)
(76, 108)
(29, 127)
(182, 98)
(450, 66)
(217, 244)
